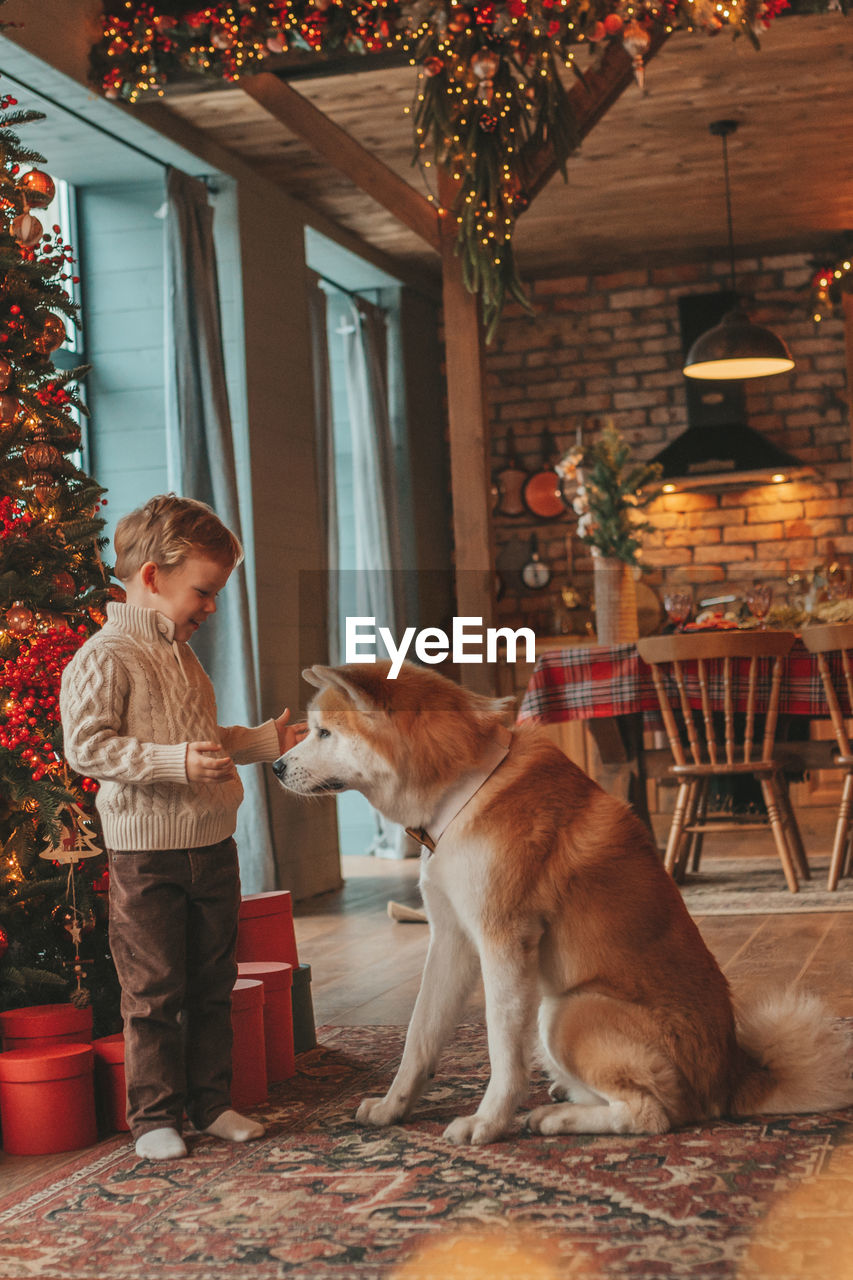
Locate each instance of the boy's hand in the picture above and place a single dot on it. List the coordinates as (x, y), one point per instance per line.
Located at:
(205, 763)
(289, 734)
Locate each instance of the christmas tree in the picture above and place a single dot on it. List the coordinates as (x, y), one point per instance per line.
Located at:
(53, 935)
(612, 489)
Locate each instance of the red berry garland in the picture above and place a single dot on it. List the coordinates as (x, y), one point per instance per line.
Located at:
(29, 712)
(15, 519)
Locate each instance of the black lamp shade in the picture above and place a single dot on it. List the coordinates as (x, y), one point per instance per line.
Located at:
(737, 348)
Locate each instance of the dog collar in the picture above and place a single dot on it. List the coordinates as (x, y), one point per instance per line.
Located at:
(463, 791)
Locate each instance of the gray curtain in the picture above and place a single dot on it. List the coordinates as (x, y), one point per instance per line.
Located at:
(378, 552)
(326, 481)
(202, 466)
(380, 590)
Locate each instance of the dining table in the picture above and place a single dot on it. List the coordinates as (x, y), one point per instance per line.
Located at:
(610, 687)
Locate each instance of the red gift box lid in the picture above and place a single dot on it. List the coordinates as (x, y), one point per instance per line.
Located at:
(275, 974)
(45, 1020)
(247, 993)
(273, 903)
(51, 1062)
(110, 1048)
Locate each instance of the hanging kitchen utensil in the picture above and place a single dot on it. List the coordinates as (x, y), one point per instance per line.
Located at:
(510, 482)
(542, 493)
(535, 575)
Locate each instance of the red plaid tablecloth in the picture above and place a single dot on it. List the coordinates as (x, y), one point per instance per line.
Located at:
(613, 680)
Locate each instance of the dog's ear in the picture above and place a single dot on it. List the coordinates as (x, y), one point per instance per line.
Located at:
(318, 676)
(345, 679)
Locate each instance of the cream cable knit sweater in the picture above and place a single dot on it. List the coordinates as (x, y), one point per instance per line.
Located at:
(132, 699)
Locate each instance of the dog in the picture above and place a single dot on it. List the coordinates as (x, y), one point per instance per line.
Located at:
(555, 892)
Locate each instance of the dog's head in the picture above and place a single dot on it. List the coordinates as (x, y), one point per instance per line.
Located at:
(397, 741)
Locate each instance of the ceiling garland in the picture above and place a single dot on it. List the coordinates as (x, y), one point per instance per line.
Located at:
(491, 90)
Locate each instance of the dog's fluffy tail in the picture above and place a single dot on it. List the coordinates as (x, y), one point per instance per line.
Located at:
(794, 1057)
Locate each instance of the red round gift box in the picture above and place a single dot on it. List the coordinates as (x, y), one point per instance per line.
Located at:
(47, 1099)
(277, 978)
(44, 1024)
(110, 1082)
(248, 1058)
(266, 928)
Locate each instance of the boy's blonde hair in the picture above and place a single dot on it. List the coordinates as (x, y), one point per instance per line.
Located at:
(167, 530)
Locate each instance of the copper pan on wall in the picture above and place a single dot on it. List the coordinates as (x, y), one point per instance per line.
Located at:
(542, 492)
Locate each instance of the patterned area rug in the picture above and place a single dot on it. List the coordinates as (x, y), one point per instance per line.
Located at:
(756, 886)
(320, 1199)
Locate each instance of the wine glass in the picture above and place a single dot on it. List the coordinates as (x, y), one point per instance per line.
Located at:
(679, 606)
(759, 598)
(837, 587)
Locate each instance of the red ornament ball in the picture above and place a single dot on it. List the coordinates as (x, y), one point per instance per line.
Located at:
(38, 188)
(64, 584)
(613, 24)
(485, 64)
(8, 408)
(52, 335)
(44, 493)
(4, 943)
(19, 619)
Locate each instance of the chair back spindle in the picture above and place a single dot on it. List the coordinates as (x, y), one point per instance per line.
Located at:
(707, 713)
(835, 640)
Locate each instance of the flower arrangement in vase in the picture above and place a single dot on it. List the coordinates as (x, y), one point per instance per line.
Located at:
(612, 489)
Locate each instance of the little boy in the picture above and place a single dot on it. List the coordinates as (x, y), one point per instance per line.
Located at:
(139, 715)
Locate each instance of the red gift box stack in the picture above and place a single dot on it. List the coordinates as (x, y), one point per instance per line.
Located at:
(47, 1093)
(271, 1007)
(266, 933)
(58, 1086)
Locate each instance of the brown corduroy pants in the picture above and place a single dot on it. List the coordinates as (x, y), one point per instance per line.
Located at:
(173, 937)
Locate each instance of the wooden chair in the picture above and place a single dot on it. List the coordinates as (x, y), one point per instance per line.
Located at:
(826, 641)
(702, 741)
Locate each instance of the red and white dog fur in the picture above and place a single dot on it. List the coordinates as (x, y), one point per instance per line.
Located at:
(555, 891)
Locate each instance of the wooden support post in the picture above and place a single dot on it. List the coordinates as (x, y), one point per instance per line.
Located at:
(469, 442)
(847, 303)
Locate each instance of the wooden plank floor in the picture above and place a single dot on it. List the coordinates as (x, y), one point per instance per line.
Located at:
(366, 968)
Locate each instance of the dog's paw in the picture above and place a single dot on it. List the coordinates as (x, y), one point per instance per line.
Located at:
(561, 1117)
(472, 1131)
(543, 1119)
(377, 1112)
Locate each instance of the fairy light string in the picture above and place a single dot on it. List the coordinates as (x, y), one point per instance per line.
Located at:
(490, 86)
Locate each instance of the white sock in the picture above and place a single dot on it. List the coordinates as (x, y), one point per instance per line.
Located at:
(161, 1144)
(233, 1127)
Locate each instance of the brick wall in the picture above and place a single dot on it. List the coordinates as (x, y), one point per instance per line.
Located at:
(610, 345)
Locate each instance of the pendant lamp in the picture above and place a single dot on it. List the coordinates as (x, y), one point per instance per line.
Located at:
(735, 348)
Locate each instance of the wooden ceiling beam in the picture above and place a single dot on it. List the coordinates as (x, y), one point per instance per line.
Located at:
(349, 157)
(590, 99)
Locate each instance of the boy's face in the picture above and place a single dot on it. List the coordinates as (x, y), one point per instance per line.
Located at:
(187, 594)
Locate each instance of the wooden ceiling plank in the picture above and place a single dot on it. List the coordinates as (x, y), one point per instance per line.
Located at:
(348, 156)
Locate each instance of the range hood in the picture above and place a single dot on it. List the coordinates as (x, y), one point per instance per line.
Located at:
(719, 449)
